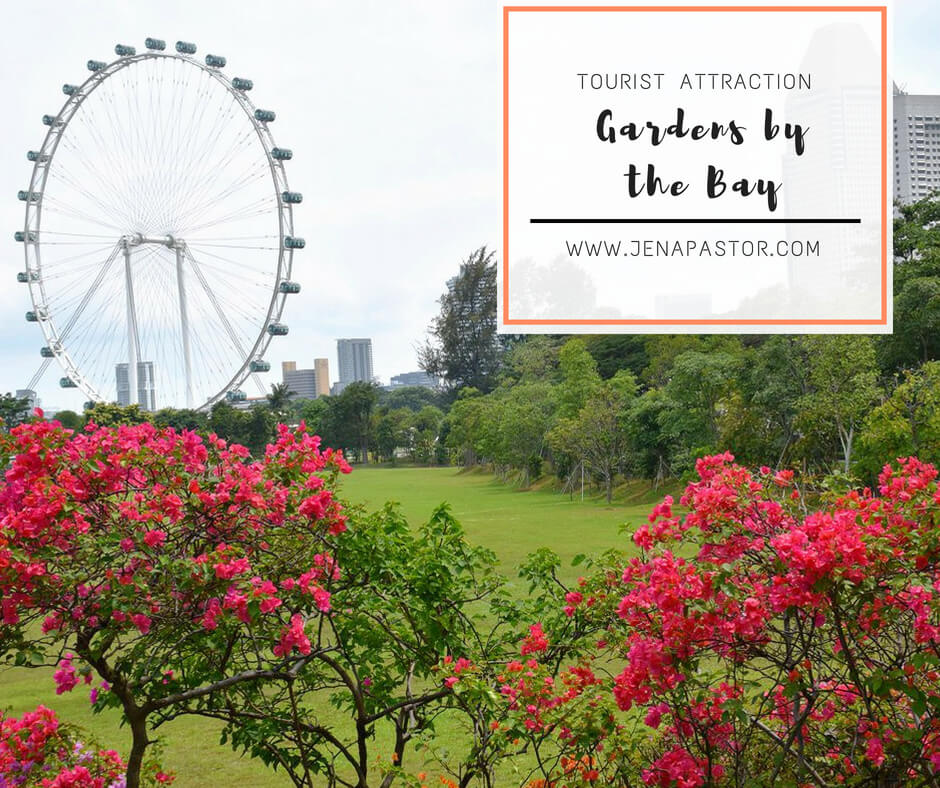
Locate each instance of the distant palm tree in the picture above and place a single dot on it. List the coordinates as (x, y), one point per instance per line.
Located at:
(279, 398)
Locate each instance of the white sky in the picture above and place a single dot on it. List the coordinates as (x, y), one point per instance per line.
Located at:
(392, 111)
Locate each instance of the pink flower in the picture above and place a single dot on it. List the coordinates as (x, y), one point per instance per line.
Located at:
(293, 637)
(875, 751)
(66, 678)
(142, 622)
(154, 538)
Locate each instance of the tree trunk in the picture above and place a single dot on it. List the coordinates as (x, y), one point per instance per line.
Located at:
(138, 725)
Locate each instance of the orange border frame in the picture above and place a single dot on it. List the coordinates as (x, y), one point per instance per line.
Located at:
(714, 321)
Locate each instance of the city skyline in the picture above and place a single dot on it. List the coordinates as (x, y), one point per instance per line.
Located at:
(400, 184)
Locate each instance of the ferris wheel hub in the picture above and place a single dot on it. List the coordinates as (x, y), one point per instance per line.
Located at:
(138, 239)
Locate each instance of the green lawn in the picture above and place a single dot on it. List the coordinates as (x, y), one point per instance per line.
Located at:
(510, 522)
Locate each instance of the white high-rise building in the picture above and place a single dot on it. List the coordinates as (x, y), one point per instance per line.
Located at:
(916, 146)
(146, 395)
(355, 361)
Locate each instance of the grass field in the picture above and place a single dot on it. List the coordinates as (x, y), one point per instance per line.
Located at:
(510, 522)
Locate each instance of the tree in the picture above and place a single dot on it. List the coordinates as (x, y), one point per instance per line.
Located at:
(596, 435)
(392, 431)
(253, 428)
(401, 624)
(758, 642)
(69, 419)
(191, 580)
(614, 352)
(279, 400)
(110, 414)
(178, 419)
(579, 377)
(467, 425)
(170, 566)
(412, 397)
(464, 348)
(699, 382)
(354, 414)
(13, 410)
(424, 433)
(906, 424)
(518, 422)
(843, 377)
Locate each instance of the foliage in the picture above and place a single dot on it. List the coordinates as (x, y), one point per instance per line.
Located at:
(253, 428)
(279, 400)
(110, 414)
(171, 566)
(464, 348)
(412, 598)
(36, 749)
(595, 435)
(761, 644)
(354, 415)
(13, 410)
(843, 377)
(907, 423)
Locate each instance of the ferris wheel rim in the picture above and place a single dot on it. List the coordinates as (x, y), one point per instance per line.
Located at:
(33, 216)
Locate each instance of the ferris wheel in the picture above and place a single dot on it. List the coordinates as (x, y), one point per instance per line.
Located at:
(158, 233)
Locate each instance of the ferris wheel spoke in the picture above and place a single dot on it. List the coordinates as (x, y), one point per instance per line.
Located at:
(34, 380)
(254, 209)
(215, 198)
(223, 318)
(225, 271)
(106, 208)
(89, 293)
(50, 204)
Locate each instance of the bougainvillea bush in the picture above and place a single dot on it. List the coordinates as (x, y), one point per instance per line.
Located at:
(752, 642)
(37, 749)
(171, 566)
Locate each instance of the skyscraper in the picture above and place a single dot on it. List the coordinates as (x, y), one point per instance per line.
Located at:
(146, 395)
(302, 382)
(916, 146)
(355, 361)
(322, 367)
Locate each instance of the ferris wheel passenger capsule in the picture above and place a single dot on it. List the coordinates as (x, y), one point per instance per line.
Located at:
(236, 396)
(278, 329)
(242, 84)
(35, 317)
(282, 154)
(50, 120)
(185, 48)
(260, 365)
(290, 242)
(24, 196)
(96, 65)
(68, 383)
(289, 287)
(155, 43)
(265, 115)
(24, 277)
(46, 352)
(35, 155)
(19, 236)
(69, 90)
(292, 197)
(122, 50)
(215, 61)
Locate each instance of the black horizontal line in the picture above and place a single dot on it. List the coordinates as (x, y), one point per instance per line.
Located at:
(695, 221)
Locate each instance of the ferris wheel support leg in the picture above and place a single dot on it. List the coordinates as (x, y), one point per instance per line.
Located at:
(133, 397)
(184, 326)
